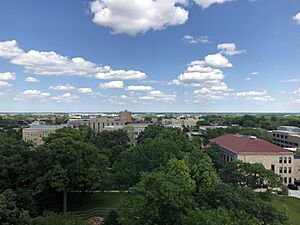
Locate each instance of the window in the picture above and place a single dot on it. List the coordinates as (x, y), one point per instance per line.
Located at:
(280, 159)
(290, 169)
(290, 180)
(285, 169)
(280, 169)
(285, 160)
(273, 168)
(290, 159)
(285, 180)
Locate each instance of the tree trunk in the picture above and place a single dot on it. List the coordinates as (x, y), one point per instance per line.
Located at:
(65, 200)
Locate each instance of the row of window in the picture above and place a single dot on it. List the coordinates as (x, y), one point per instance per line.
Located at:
(285, 179)
(285, 169)
(280, 135)
(285, 159)
(285, 142)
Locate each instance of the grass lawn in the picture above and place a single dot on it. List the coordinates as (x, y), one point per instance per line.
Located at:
(77, 202)
(292, 206)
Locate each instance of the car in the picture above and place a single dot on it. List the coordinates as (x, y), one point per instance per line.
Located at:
(293, 187)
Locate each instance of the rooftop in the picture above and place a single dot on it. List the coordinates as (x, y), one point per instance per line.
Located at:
(244, 144)
(289, 129)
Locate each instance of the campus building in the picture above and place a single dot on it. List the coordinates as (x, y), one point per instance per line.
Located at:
(189, 122)
(37, 133)
(125, 116)
(252, 150)
(286, 137)
(99, 125)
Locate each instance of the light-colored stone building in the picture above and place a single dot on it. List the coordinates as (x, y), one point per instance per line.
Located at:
(125, 116)
(252, 150)
(286, 137)
(36, 133)
(99, 125)
(189, 122)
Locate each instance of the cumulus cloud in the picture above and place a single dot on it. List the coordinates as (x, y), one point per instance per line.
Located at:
(32, 94)
(296, 18)
(121, 75)
(135, 16)
(139, 88)
(290, 80)
(85, 90)
(196, 39)
(217, 60)
(53, 64)
(66, 87)
(112, 85)
(31, 80)
(260, 96)
(65, 98)
(4, 84)
(7, 76)
(229, 49)
(206, 3)
(159, 96)
(9, 49)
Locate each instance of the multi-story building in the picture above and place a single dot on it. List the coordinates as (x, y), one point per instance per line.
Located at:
(286, 137)
(36, 133)
(98, 125)
(189, 122)
(125, 116)
(252, 150)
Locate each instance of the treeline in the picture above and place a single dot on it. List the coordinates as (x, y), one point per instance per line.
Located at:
(268, 122)
(169, 179)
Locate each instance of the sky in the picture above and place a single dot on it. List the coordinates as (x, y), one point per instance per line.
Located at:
(150, 56)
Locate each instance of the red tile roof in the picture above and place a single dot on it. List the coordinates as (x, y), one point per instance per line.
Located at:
(241, 144)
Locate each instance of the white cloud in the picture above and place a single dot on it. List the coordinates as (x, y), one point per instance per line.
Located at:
(27, 94)
(112, 85)
(254, 73)
(297, 92)
(290, 81)
(66, 87)
(121, 75)
(248, 78)
(196, 39)
(259, 96)
(52, 64)
(146, 98)
(66, 98)
(206, 3)
(139, 88)
(4, 84)
(296, 18)
(31, 80)
(7, 76)
(199, 72)
(135, 16)
(229, 49)
(9, 49)
(217, 61)
(85, 90)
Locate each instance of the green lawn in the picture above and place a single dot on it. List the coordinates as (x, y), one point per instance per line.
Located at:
(292, 206)
(77, 202)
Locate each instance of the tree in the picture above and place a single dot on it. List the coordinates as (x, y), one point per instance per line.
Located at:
(252, 175)
(67, 164)
(220, 216)
(161, 197)
(57, 219)
(202, 170)
(9, 213)
(239, 200)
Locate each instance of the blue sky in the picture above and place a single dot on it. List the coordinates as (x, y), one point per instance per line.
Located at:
(164, 55)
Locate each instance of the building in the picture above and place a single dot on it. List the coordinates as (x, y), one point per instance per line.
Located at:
(189, 122)
(37, 133)
(99, 125)
(252, 150)
(286, 137)
(125, 116)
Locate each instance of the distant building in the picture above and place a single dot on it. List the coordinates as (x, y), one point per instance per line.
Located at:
(99, 125)
(189, 122)
(286, 136)
(134, 129)
(36, 133)
(125, 116)
(252, 150)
